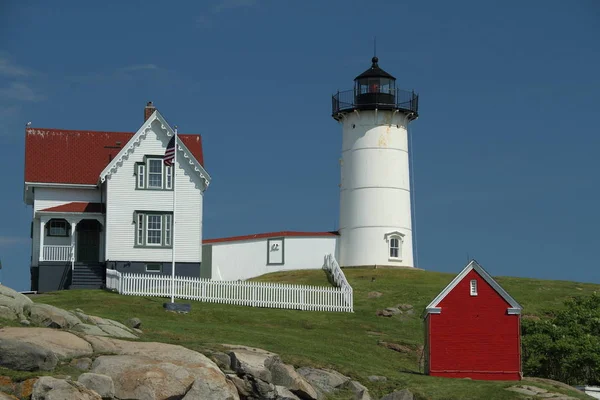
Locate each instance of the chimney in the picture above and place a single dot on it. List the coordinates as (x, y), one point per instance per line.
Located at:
(148, 110)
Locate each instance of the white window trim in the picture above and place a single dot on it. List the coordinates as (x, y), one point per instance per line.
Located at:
(160, 218)
(139, 229)
(150, 173)
(141, 178)
(473, 287)
(389, 238)
(168, 177)
(140, 222)
(168, 231)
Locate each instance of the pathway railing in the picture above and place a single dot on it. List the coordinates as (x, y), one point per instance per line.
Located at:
(244, 293)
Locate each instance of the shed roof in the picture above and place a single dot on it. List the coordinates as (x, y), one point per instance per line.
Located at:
(433, 307)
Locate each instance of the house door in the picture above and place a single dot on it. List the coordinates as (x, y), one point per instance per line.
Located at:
(88, 241)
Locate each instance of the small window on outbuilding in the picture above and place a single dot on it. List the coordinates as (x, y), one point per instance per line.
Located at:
(474, 287)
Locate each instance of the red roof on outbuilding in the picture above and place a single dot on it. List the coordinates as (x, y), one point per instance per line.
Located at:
(78, 157)
(270, 235)
(77, 207)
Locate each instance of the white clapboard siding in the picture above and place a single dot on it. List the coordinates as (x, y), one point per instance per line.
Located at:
(52, 197)
(243, 293)
(123, 199)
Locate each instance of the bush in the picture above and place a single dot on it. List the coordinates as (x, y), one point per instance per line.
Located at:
(565, 347)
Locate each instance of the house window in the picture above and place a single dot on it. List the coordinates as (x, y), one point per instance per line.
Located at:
(473, 287)
(58, 227)
(153, 174)
(154, 236)
(140, 230)
(141, 177)
(153, 229)
(156, 268)
(168, 177)
(155, 168)
(168, 225)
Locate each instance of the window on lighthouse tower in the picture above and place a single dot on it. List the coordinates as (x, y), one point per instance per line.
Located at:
(394, 240)
(394, 247)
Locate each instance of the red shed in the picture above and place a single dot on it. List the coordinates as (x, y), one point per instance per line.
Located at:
(473, 329)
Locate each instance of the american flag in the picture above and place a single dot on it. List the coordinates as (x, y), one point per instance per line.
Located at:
(170, 152)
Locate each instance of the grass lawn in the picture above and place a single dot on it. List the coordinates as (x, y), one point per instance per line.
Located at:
(346, 342)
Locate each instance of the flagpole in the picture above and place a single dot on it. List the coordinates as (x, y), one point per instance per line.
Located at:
(173, 173)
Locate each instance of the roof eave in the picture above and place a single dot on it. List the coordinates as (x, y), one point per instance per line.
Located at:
(473, 265)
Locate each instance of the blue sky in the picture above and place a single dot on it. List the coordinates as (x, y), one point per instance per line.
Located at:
(504, 152)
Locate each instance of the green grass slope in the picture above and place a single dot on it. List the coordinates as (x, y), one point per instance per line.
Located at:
(347, 342)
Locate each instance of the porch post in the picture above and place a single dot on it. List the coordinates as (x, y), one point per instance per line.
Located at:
(73, 242)
(42, 234)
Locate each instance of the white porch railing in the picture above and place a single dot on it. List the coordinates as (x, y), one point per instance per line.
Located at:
(57, 253)
(244, 293)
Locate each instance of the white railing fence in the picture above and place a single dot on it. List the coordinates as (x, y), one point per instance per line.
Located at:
(244, 293)
(337, 275)
(57, 253)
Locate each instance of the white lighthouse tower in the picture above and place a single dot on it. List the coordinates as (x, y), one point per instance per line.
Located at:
(375, 201)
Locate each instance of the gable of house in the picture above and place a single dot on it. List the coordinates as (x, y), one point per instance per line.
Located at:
(140, 195)
(461, 284)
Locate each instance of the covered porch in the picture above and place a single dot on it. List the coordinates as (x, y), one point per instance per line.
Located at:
(71, 233)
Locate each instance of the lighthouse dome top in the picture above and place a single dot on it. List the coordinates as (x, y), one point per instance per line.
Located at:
(375, 89)
(375, 71)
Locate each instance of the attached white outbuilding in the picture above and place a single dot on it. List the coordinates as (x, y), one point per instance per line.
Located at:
(243, 257)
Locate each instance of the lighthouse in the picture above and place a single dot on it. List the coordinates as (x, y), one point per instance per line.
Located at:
(375, 224)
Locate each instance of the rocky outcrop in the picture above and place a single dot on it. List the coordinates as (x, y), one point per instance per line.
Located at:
(50, 316)
(49, 388)
(101, 384)
(402, 310)
(142, 370)
(259, 373)
(64, 345)
(23, 356)
(12, 304)
(325, 381)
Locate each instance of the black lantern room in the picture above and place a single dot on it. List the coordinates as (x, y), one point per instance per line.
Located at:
(375, 89)
(375, 86)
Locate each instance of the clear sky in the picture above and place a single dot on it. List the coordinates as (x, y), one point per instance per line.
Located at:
(505, 151)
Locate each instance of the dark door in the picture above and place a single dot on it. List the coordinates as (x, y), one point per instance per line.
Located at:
(88, 241)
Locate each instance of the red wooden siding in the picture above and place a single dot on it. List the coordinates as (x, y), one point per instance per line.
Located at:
(473, 336)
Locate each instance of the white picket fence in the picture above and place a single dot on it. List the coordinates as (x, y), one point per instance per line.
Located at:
(244, 293)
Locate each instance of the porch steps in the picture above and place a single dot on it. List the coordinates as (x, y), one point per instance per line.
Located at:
(88, 276)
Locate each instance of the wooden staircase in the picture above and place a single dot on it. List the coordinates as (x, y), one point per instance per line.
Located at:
(88, 276)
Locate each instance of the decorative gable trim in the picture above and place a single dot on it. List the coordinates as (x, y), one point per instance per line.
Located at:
(184, 152)
(389, 235)
(433, 307)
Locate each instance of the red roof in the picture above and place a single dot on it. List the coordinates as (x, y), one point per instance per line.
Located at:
(78, 157)
(78, 207)
(270, 235)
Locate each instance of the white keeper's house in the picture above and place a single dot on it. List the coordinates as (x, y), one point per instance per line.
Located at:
(109, 204)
